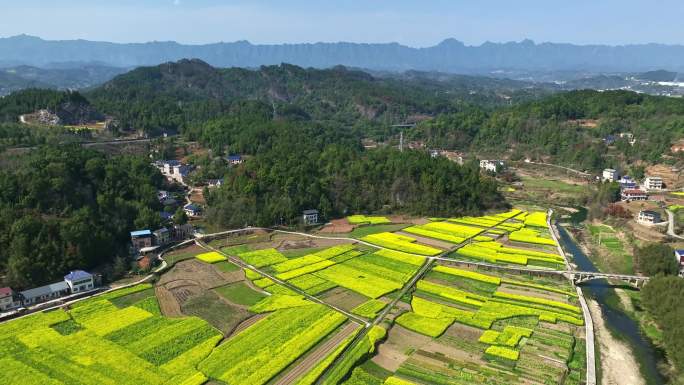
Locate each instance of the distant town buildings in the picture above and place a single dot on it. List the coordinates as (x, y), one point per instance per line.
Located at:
(648, 217)
(310, 217)
(610, 175)
(492, 165)
(653, 183)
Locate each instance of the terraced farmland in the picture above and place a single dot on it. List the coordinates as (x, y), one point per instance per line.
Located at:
(350, 313)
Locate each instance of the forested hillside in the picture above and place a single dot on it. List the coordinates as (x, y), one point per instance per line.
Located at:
(175, 96)
(550, 128)
(297, 166)
(65, 208)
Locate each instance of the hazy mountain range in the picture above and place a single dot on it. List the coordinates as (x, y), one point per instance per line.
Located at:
(450, 56)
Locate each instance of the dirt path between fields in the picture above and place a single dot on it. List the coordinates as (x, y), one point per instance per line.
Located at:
(317, 355)
(618, 366)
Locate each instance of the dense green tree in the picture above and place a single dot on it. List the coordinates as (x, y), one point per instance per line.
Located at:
(65, 207)
(180, 217)
(656, 259)
(663, 297)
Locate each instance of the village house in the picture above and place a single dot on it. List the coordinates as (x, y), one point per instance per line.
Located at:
(162, 236)
(180, 232)
(8, 300)
(141, 239)
(173, 170)
(627, 183)
(679, 255)
(648, 217)
(192, 210)
(629, 195)
(491, 165)
(79, 281)
(629, 137)
(214, 183)
(44, 293)
(610, 175)
(653, 183)
(234, 160)
(310, 217)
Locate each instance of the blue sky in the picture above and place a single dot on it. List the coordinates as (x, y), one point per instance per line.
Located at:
(417, 23)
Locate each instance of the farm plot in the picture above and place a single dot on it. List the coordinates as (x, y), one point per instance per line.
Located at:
(400, 243)
(367, 220)
(98, 343)
(264, 349)
(497, 338)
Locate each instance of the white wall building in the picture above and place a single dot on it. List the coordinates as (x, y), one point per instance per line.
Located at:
(491, 165)
(653, 183)
(610, 175)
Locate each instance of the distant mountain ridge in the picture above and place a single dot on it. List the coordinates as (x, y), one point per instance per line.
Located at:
(451, 56)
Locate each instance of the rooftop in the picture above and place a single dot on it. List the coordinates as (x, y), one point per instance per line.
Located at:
(45, 290)
(634, 191)
(5, 292)
(141, 233)
(309, 212)
(191, 206)
(77, 275)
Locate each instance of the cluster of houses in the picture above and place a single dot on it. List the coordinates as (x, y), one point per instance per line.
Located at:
(75, 282)
(174, 171)
(629, 189)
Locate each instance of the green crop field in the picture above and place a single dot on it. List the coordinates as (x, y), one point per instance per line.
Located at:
(455, 325)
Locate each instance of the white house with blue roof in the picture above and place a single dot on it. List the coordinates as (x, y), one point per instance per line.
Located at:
(79, 281)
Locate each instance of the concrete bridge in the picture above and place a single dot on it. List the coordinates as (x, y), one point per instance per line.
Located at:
(575, 276)
(584, 276)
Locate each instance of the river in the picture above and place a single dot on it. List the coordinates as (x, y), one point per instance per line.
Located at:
(617, 321)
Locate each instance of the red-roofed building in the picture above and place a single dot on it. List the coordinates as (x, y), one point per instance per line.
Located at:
(634, 195)
(8, 299)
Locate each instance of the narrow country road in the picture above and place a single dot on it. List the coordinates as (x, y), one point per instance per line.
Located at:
(670, 225)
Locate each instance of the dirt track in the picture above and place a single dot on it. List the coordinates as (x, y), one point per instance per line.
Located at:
(317, 355)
